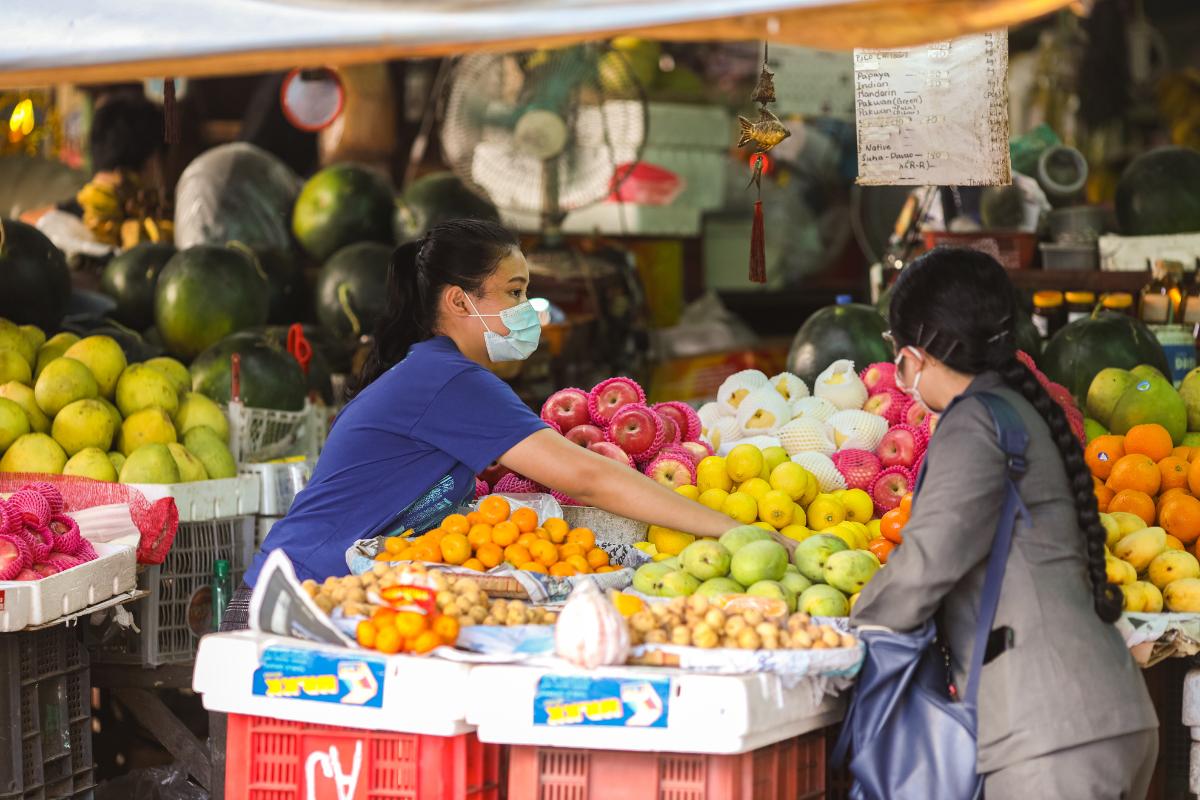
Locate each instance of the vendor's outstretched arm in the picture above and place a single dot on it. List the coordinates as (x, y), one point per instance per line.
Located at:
(552, 460)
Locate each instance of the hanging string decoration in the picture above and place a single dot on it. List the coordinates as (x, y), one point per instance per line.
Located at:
(764, 133)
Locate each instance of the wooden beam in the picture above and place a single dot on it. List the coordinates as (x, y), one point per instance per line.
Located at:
(149, 710)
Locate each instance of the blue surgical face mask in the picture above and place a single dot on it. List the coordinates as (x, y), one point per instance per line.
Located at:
(524, 332)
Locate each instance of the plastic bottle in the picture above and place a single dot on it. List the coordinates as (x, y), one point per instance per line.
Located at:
(222, 591)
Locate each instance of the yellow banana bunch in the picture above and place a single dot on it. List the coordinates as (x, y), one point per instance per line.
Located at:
(99, 201)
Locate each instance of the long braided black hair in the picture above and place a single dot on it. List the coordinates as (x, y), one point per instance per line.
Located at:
(960, 307)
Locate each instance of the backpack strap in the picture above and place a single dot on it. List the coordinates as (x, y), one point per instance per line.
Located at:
(1013, 440)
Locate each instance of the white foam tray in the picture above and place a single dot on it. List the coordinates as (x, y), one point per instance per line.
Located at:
(226, 663)
(25, 603)
(717, 714)
(202, 501)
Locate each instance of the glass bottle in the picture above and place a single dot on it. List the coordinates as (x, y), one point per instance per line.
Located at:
(1080, 305)
(1118, 303)
(1048, 312)
(222, 591)
(1160, 298)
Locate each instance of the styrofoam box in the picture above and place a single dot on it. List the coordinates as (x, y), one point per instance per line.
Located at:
(279, 483)
(202, 501)
(25, 603)
(716, 714)
(226, 665)
(1132, 253)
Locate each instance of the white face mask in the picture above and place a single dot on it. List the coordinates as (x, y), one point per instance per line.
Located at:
(913, 391)
(524, 332)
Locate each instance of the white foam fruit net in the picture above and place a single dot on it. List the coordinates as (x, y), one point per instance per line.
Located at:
(817, 408)
(860, 430)
(806, 436)
(821, 466)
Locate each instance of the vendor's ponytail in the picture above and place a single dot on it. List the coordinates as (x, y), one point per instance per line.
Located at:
(960, 307)
(461, 252)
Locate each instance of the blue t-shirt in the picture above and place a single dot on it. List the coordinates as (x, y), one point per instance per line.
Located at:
(401, 455)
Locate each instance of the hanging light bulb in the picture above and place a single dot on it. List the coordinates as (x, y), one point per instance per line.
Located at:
(22, 120)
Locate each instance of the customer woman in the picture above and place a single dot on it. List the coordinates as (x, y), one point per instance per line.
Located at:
(1063, 711)
(428, 414)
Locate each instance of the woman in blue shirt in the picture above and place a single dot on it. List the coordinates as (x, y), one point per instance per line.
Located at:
(428, 415)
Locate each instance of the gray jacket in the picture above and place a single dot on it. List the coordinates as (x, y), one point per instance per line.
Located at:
(1067, 678)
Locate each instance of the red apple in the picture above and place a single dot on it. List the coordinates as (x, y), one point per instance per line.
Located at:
(879, 377)
(609, 396)
(637, 430)
(12, 560)
(697, 450)
(890, 487)
(567, 408)
(899, 447)
(610, 450)
(670, 430)
(28, 575)
(673, 469)
(916, 415)
(45, 570)
(492, 475)
(891, 404)
(585, 435)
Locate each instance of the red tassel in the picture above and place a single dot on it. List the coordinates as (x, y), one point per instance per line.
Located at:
(170, 112)
(758, 247)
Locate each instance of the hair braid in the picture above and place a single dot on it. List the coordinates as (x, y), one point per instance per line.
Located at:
(1107, 598)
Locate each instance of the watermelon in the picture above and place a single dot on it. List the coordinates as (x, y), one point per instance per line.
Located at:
(271, 378)
(287, 293)
(130, 278)
(434, 198)
(320, 367)
(341, 205)
(236, 192)
(1159, 193)
(34, 281)
(206, 293)
(852, 331)
(352, 289)
(1080, 350)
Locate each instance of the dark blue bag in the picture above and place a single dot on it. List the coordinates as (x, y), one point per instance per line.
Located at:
(910, 739)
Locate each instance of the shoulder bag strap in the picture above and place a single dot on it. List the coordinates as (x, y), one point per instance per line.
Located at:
(1013, 440)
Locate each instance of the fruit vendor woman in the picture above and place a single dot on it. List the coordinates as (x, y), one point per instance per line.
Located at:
(428, 415)
(1063, 710)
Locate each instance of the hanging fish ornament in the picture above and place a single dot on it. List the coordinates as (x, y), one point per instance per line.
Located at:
(764, 134)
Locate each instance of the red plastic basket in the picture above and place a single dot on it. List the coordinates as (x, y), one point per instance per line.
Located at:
(789, 770)
(270, 759)
(1013, 249)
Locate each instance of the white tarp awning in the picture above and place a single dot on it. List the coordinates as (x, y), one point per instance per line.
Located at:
(93, 41)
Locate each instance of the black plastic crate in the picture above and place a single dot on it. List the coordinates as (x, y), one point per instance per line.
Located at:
(45, 716)
(177, 612)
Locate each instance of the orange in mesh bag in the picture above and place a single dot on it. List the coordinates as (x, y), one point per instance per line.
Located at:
(156, 522)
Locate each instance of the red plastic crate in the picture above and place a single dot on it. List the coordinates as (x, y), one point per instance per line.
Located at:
(789, 770)
(270, 759)
(1013, 249)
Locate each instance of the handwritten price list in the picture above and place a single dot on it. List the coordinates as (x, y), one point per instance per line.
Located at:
(936, 114)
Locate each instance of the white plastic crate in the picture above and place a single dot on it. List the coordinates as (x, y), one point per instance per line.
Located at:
(718, 714)
(207, 500)
(178, 610)
(279, 483)
(353, 688)
(262, 434)
(25, 603)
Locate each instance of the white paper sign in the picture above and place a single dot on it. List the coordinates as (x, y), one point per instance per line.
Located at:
(936, 114)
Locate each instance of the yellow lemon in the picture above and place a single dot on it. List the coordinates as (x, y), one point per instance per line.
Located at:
(755, 487)
(858, 504)
(776, 509)
(690, 492)
(742, 507)
(744, 462)
(668, 541)
(825, 512)
(713, 498)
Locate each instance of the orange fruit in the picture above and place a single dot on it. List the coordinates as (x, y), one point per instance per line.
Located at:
(1134, 502)
(557, 529)
(525, 519)
(382, 616)
(394, 544)
(1104, 496)
(906, 505)
(542, 533)
(1102, 453)
(426, 641)
(424, 552)
(479, 534)
(1180, 517)
(490, 554)
(365, 633)
(579, 563)
(565, 551)
(384, 555)
(882, 548)
(1174, 473)
(389, 641)
(505, 533)
(1151, 440)
(1194, 476)
(562, 570)
(1183, 452)
(609, 568)
(1136, 472)
(891, 525)
(517, 554)
(409, 623)
(456, 523)
(446, 629)
(455, 548)
(1165, 496)
(475, 564)
(474, 518)
(493, 509)
(597, 558)
(533, 566)
(582, 537)
(527, 539)
(545, 552)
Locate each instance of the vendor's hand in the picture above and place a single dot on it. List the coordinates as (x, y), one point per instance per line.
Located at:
(788, 543)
